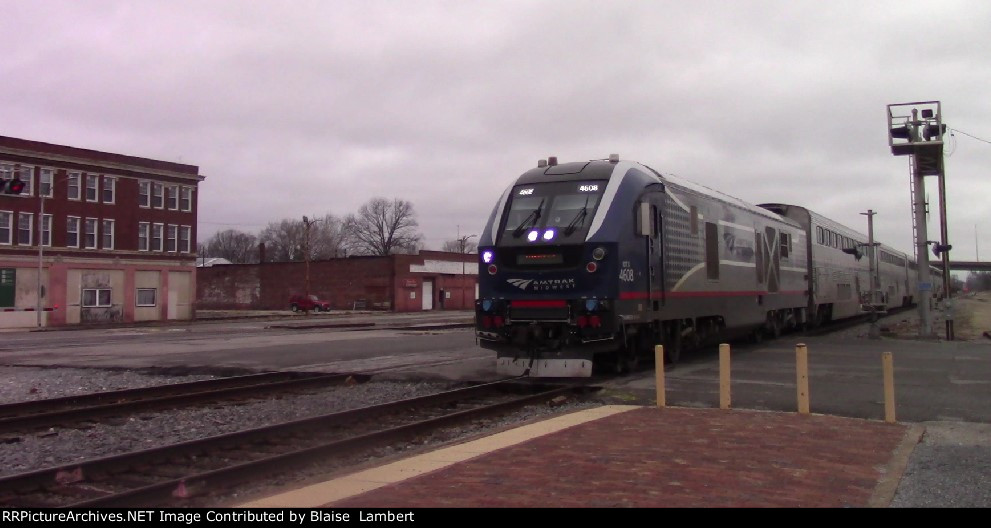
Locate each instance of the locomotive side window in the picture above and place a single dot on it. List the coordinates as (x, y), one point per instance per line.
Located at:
(819, 235)
(785, 244)
(712, 250)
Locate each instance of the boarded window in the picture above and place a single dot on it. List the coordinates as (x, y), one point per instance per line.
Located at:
(712, 250)
(8, 283)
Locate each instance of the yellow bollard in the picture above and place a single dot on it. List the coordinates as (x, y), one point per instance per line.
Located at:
(888, 366)
(724, 384)
(659, 374)
(802, 370)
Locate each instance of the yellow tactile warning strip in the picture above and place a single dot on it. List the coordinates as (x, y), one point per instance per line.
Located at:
(317, 495)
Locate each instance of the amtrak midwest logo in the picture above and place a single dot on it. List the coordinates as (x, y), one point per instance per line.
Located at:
(543, 285)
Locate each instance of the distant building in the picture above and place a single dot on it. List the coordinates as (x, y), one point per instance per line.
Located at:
(211, 261)
(430, 280)
(114, 237)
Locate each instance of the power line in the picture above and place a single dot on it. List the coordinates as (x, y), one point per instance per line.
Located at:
(969, 135)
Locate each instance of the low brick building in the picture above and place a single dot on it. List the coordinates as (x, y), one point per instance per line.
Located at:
(430, 280)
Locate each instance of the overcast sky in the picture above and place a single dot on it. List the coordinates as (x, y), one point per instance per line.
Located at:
(314, 107)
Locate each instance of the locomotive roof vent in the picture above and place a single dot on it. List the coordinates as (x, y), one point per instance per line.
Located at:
(551, 161)
(541, 163)
(614, 158)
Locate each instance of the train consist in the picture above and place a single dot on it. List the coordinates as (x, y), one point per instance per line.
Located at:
(596, 262)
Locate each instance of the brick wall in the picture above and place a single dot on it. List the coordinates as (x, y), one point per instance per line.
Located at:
(376, 282)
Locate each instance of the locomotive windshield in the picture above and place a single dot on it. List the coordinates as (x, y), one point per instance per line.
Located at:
(558, 212)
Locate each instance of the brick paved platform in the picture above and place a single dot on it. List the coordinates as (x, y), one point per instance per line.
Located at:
(620, 456)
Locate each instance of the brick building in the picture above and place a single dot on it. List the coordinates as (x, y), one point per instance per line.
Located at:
(430, 280)
(113, 237)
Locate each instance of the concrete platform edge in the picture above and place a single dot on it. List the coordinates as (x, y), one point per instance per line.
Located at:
(886, 487)
(325, 493)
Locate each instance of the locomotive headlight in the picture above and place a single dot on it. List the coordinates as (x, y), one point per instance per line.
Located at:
(591, 304)
(532, 236)
(486, 305)
(488, 256)
(549, 234)
(599, 253)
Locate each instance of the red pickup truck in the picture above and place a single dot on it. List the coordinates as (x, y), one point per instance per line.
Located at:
(308, 304)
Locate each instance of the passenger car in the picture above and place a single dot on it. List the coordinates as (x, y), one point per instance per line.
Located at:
(308, 303)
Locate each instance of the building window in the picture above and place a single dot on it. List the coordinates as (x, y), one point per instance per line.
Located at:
(92, 187)
(96, 298)
(186, 198)
(108, 234)
(25, 225)
(143, 236)
(27, 176)
(156, 237)
(46, 230)
(172, 197)
(45, 184)
(693, 221)
(73, 186)
(72, 231)
(146, 297)
(109, 189)
(144, 192)
(5, 234)
(184, 238)
(170, 238)
(89, 233)
(156, 195)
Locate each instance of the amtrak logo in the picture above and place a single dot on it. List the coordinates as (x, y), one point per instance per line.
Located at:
(519, 283)
(543, 285)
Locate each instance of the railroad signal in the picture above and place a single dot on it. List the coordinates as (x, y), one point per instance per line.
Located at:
(15, 186)
(939, 249)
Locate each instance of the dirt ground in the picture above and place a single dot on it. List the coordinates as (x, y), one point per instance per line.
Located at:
(971, 319)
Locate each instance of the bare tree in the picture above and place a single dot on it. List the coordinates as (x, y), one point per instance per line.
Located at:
(454, 246)
(283, 240)
(383, 227)
(233, 245)
(327, 238)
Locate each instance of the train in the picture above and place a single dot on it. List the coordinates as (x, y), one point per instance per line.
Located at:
(592, 263)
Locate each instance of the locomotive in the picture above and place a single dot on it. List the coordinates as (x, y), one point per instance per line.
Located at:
(594, 263)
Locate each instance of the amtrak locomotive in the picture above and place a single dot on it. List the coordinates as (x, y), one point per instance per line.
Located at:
(596, 262)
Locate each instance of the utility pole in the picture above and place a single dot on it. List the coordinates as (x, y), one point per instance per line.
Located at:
(306, 254)
(462, 243)
(874, 331)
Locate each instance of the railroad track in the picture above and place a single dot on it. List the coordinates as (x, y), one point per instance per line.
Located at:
(851, 322)
(87, 408)
(177, 474)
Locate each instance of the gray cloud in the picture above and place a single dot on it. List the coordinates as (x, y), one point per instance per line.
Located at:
(314, 107)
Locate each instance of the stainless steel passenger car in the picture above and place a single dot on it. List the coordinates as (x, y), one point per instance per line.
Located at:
(840, 271)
